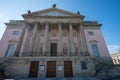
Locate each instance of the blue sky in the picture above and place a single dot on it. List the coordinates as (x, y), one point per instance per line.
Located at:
(106, 12)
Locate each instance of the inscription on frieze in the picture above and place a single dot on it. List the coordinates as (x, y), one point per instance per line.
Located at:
(53, 13)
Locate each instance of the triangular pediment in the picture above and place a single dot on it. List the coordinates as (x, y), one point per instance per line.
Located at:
(52, 12)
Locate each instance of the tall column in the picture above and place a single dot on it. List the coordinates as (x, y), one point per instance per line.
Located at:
(84, 39)
(80, 41)
(27, 39)
(33, 38)
(45, 44)
(19, 44)
(71, 38)
(59, 39)
(37, 40)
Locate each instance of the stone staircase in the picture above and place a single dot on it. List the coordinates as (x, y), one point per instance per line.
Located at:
(3, 62)
(78, 78)
(106, 70)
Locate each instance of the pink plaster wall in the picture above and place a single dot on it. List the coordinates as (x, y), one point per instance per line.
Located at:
(8, 35)
(100, 42)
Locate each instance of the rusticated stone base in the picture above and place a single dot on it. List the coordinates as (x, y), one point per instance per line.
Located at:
(19, 67)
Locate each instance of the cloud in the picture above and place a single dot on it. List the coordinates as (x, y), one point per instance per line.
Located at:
(113, 48)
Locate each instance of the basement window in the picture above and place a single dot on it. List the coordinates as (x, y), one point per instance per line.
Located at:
(83, 65)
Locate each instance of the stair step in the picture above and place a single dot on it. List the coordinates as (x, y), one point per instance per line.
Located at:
(81, 78)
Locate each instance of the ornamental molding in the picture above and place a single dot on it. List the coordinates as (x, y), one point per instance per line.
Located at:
(12, 40)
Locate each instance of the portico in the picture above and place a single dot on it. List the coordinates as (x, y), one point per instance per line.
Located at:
(40, 36)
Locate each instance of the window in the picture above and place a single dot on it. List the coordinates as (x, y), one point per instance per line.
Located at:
(114, 60)
(119, 61)
(10, 50)
(90, 33)
(83, 65)
(95, 50)
(16, 33)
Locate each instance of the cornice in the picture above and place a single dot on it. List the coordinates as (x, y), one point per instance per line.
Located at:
(13, 24)
(91, 23)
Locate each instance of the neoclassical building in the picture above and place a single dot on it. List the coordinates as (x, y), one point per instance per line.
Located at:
(116, 58)
(52, 43)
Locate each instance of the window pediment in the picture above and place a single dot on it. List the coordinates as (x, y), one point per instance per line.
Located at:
(93, 41)
(12, 40)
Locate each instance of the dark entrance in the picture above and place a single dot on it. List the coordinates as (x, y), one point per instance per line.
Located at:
(34, 69)
(51, 69)
(68, 72)
(53, 49)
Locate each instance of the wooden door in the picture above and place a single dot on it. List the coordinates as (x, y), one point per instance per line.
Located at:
(53, 49)
(33, 73)
(51, 69)
(68, 72)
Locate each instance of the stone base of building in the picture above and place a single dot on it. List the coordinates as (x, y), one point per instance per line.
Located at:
(41, 67)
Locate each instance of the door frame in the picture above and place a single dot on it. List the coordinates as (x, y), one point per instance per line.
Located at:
(53, 47)
(52, 41)
(48, 70)
(71, 75)
(36, 67)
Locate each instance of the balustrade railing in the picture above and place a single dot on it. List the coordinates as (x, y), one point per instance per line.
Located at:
(36, 54)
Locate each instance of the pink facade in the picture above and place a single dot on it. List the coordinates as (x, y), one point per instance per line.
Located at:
(97, 38)
(8, 38)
